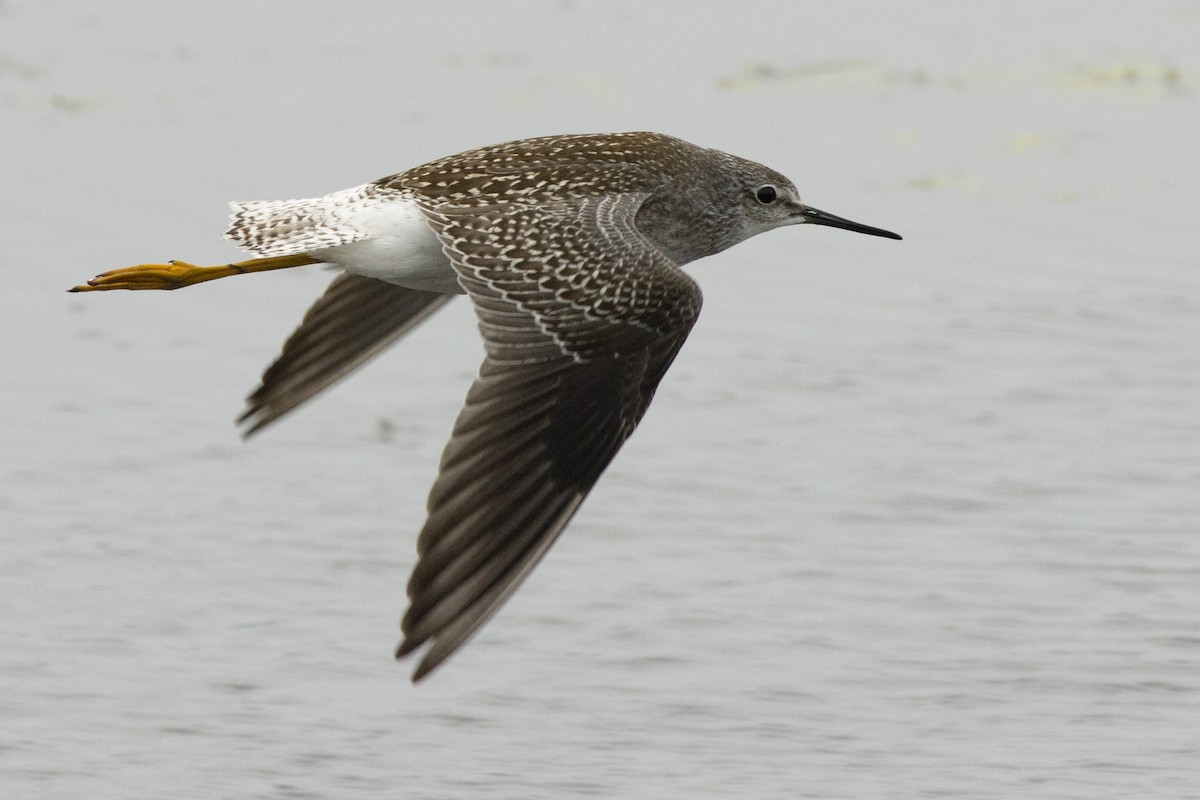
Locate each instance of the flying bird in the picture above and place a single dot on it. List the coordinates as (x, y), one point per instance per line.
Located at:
(570, 248)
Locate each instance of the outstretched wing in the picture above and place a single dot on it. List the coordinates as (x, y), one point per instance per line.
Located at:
(354, 320)
(581, 315)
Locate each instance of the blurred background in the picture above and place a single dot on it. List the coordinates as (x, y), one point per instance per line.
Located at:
(907, 519)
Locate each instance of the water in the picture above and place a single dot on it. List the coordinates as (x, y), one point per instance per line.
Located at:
(907, 519)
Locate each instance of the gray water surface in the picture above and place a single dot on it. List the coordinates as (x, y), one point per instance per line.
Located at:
(907, 519)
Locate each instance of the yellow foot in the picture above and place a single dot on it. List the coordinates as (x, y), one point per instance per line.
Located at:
(177, 274)
(172, 275)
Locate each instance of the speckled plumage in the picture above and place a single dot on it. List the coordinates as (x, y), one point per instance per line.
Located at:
(570, 249)
(287, 227)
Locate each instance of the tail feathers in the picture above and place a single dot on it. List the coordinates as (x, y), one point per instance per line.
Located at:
(291, 227)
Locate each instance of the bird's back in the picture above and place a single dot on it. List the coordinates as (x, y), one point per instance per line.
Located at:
(549, 168)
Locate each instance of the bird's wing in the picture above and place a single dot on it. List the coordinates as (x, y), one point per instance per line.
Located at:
(355, 319)
(581, 315)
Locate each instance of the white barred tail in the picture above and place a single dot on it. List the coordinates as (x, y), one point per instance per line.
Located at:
(291, 227)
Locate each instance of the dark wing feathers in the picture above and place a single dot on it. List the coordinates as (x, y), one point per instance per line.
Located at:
(581, 316)
(351, 322)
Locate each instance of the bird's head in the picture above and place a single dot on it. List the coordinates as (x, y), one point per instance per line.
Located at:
(767, 200)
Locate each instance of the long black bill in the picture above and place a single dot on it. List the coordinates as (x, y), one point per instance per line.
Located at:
(818, 217)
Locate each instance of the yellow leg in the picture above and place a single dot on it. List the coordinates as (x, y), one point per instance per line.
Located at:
(177, 274)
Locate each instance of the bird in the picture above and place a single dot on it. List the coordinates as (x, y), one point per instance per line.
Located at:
(570, 249)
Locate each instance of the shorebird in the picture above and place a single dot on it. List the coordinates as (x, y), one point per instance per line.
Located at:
(570, 249)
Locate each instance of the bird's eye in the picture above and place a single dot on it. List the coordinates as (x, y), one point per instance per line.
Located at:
(766, 194)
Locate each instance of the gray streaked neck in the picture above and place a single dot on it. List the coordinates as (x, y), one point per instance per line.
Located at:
(693, 214)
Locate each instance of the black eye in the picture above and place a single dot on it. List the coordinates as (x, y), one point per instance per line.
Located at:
(766, 194)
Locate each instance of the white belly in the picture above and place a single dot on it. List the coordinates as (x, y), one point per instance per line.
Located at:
(399, 248)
